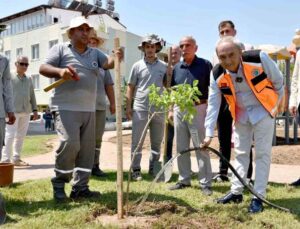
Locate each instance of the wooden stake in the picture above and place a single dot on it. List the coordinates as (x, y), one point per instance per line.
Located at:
(119, 99)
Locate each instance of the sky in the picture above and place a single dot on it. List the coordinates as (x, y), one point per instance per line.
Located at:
(257, 21)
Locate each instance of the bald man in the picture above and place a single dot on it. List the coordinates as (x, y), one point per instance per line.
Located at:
(252, 86)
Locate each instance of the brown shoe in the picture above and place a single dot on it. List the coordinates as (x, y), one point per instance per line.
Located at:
(20, 163)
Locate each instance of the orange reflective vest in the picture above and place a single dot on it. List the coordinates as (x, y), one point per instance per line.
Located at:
(256, 79)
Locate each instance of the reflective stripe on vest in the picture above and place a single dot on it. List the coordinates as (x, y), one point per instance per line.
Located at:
(258, 82)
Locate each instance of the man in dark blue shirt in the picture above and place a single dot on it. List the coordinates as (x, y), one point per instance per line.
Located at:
(190, 69)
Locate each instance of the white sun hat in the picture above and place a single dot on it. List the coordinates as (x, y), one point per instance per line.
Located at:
(76, 22)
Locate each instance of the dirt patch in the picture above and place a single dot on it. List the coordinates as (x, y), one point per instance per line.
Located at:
(164, 214)
(281, 154)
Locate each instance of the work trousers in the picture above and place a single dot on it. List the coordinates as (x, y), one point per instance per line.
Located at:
(184, 132)
(139, 121)
(75, 154)
(14, 137)
(243, 137)
(100, 126)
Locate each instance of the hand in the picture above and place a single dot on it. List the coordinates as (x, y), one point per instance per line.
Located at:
(129, 113)
(35, 115)
(112, 108)
(171, 118)
(11, 118)
(206, 142)
(293, 110)
(69, 73)
(119, 53)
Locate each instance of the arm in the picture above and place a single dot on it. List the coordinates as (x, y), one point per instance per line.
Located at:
(110, 62)
(54, 72)
(273, 73)
(8, 95)
(51, 67)
(129, 98)
(294, 86)
(214, 102)
(109, 89)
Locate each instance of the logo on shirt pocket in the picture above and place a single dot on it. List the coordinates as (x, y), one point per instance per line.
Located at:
(95, 64)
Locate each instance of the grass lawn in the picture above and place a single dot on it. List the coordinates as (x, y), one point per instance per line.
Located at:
(37, 144)
(30, 205)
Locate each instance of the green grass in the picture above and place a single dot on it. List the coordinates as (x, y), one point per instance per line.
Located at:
(30, 205)
(37, 144)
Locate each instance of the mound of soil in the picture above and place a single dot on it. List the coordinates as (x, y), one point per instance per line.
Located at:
(163, 214)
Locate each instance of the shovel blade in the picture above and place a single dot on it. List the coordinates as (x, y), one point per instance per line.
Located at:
(167, 173)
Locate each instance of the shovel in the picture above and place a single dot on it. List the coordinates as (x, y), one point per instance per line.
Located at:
(167, 174)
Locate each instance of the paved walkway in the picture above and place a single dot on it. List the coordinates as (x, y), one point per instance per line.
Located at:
(42, 165)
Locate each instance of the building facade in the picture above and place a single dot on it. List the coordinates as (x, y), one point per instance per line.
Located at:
(34, 31)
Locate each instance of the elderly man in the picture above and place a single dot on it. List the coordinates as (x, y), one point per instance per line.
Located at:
(25, 103)
(104, 87)
(252, 86)
(187, 71)
(224, 124)
(147, 71)
(6, 110)
(175, 58)
(74, 102)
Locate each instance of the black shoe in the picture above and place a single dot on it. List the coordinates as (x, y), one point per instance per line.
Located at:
(230, 197)
(206, 191)
(220, 178)
(136, 175)
(96, 171)
(84, 193)
(256, 206)
(179, 186)
(59, 194)
(296, 183)
(2, 210)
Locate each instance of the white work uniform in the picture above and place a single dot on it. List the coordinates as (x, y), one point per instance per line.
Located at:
(252, 120)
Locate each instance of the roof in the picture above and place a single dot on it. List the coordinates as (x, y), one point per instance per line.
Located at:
(25, 12)
(74, 6)
(280, 52)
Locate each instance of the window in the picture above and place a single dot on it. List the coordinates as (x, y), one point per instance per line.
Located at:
(19, 52)
(36, 81)
(35, 51)
(51, 43)
(7, 54)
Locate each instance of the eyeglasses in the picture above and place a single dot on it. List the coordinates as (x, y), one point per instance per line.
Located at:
(23, 64)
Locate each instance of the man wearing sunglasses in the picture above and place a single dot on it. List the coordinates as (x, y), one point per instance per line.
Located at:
(25, 103)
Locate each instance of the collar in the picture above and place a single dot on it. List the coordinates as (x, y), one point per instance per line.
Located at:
(70, 45)
(21, 77)
(239, 72)
(183, 64)
(155, 61)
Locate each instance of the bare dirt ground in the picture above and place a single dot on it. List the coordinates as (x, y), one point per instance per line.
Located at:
(155, 214)
(281, 154)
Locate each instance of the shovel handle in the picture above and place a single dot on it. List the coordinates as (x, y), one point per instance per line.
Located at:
(54, 85)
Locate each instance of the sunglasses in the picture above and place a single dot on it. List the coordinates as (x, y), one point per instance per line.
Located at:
(23, 64)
